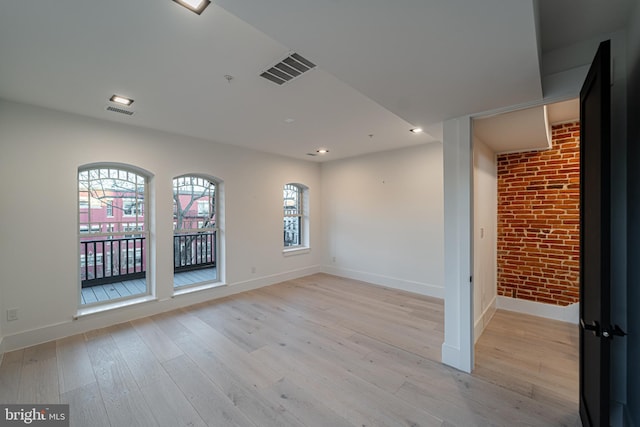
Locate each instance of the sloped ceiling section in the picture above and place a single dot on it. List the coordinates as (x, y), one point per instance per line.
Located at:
(521, 130)
(426, 61)
(524, 130)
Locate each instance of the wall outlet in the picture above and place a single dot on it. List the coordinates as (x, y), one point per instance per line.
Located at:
(12, 314)
(253, 270)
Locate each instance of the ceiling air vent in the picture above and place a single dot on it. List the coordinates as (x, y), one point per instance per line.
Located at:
(119, 110)
(290, 68)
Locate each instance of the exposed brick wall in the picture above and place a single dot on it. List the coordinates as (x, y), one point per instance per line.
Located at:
(539, 221)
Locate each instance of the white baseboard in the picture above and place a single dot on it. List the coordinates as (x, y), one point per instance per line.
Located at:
(569, 313)
(107, 318)
(483, 320)
(453, 357)
(389, 282)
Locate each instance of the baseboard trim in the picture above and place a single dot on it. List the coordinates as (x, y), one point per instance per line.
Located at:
(484, 319)
(569, 313)
(453, 357)
(112, 317)
(389, 282)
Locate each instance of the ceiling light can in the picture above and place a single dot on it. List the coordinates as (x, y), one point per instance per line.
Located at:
(195, 6)
(122, 100)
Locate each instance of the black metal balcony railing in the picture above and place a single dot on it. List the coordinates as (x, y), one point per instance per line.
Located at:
(111, 260)
(194, 251)
(116, 260)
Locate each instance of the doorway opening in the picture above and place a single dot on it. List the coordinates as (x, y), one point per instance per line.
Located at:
(526, 249)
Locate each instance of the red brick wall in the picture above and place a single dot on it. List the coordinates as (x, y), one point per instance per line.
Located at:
(539, 221)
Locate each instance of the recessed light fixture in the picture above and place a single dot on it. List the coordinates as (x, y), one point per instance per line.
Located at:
(196, 6)
(122, 100)
(416, 130)
(322, 151)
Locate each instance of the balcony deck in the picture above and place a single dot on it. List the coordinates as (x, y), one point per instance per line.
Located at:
(127, 288)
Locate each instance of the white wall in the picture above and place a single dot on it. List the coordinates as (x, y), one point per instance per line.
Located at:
(41, 152)
(383, 218)
(485, 213)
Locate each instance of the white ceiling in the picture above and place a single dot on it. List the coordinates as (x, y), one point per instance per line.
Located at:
(566, 22)
(520, 130)
(383, 66)
(525, 129)
(562, 112)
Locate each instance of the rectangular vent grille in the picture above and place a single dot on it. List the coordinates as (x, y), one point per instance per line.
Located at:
(119, 110)
(290, 68)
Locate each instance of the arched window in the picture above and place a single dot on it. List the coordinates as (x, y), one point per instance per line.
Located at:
(112, 233)
(195, 230)
(295, 216)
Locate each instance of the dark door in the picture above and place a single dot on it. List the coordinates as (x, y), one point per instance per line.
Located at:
(595, 130)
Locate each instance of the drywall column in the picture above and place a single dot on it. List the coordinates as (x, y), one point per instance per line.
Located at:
(457, 349)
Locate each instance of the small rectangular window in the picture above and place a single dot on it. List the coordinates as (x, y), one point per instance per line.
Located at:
(203, 208)
(132, 207)
(294, 215)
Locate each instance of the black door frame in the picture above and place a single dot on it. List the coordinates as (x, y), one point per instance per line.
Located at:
(595, 241)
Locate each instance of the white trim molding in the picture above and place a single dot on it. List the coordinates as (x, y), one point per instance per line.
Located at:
(420, 288)
(569, 313)
(483, 320)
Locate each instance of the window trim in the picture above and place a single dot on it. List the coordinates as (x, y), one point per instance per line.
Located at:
(303, 246)
(146, 258)
(213, 211)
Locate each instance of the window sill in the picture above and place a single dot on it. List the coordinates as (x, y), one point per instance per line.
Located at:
(191, 289)
(88, 311)
(299, 250)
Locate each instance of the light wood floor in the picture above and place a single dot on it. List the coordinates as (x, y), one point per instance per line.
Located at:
(317, 351)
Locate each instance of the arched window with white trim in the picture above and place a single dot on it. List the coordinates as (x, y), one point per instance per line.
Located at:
(195, 231)
(113, 233)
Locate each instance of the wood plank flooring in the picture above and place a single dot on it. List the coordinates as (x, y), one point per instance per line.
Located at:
(316, 351)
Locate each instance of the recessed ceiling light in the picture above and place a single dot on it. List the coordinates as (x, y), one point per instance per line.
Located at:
(416, 130)
(122, 100)
(196, 6)
(322, 151)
